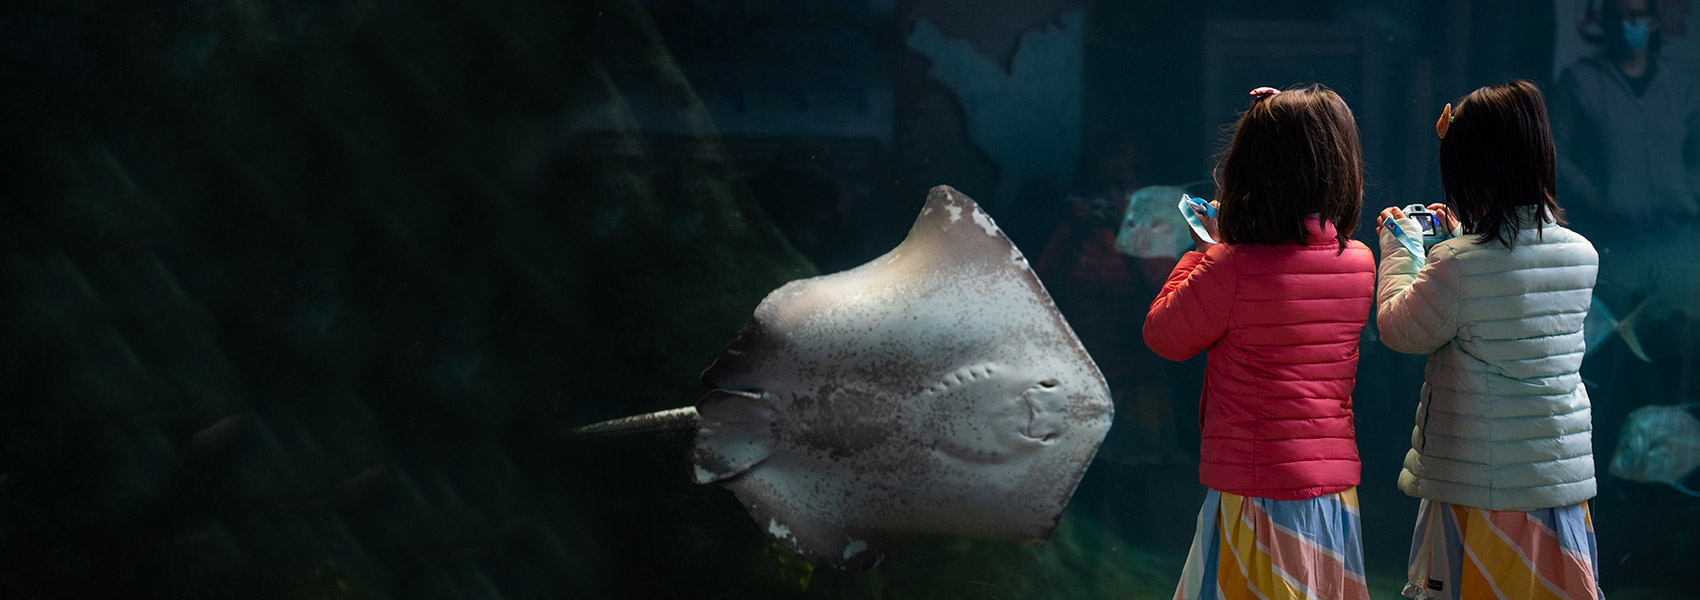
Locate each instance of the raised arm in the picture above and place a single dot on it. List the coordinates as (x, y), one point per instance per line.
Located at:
(1192, 311)
(1415, 303)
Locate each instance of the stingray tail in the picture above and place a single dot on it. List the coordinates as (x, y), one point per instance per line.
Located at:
(667, 421)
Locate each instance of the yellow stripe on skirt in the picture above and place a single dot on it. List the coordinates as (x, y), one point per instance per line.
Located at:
(1262, 549)
(1460, 552)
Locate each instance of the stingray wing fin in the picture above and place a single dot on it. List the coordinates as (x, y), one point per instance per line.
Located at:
(735, 434)
(764, 344)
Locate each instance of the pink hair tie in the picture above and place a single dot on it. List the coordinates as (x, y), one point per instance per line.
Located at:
(1264, 92)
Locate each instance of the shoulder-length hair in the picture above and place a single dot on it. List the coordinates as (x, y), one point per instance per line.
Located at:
(1293, 153)
(1497, 159)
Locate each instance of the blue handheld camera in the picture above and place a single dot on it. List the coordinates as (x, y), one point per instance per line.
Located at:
(1424, 217)
(1433, 229)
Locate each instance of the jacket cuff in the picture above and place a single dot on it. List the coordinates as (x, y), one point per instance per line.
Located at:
(1390, 244)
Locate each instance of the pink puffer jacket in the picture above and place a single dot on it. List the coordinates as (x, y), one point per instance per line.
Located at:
(1282, 324)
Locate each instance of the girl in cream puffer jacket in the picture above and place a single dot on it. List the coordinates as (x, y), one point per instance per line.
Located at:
(1502, 419)
(1502, 453)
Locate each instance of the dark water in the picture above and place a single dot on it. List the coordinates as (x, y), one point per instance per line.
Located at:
(297, 299)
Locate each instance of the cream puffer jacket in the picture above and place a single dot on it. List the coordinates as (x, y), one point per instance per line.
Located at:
(1503, 422)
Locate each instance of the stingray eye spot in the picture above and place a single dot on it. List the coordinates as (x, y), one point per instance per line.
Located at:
(1049, 384)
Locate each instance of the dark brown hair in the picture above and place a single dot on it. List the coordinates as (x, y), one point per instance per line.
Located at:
(1496, 158)
(1293, 153)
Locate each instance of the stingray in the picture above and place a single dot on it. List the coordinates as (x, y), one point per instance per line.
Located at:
(1659, 444)
(934, 390)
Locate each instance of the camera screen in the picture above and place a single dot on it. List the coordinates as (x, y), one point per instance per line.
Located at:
(1427, 222)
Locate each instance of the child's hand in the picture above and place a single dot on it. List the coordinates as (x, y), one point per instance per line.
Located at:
(1198, 243)
(1391, 212)
(1445, 215)
(1209, 226)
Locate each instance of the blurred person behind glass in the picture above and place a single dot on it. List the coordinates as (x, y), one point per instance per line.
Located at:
(1087, 278)
(1626, 123)
(1627, 126)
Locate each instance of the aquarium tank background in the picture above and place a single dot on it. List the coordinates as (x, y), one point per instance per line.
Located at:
(301, 299)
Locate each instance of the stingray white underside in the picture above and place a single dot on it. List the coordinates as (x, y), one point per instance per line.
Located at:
(935, 389)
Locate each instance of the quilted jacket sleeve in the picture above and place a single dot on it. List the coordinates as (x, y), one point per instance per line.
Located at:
(1192, 311)
(1416, 304)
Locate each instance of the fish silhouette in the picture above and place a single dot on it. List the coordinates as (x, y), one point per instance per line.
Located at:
(1659, 444)
(1601, 324)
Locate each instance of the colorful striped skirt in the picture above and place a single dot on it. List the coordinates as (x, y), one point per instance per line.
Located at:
(1256, 548)
(1463, 552)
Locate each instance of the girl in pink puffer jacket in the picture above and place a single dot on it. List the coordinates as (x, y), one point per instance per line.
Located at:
(1279, 306)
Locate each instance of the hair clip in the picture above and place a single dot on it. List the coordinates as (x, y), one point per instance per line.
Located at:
(1264, 92)
(1445, 121)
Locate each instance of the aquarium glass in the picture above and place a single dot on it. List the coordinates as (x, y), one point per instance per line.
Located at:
(306, 299)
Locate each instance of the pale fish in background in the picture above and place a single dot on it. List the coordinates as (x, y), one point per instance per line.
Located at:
(1601, 324)
(1659, 444)
(1151, 227)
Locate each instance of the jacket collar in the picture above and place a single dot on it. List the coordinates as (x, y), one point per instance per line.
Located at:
(1527, 216)
(1318, 231)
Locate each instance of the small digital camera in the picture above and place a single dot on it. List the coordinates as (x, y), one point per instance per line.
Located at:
(1426, 218)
